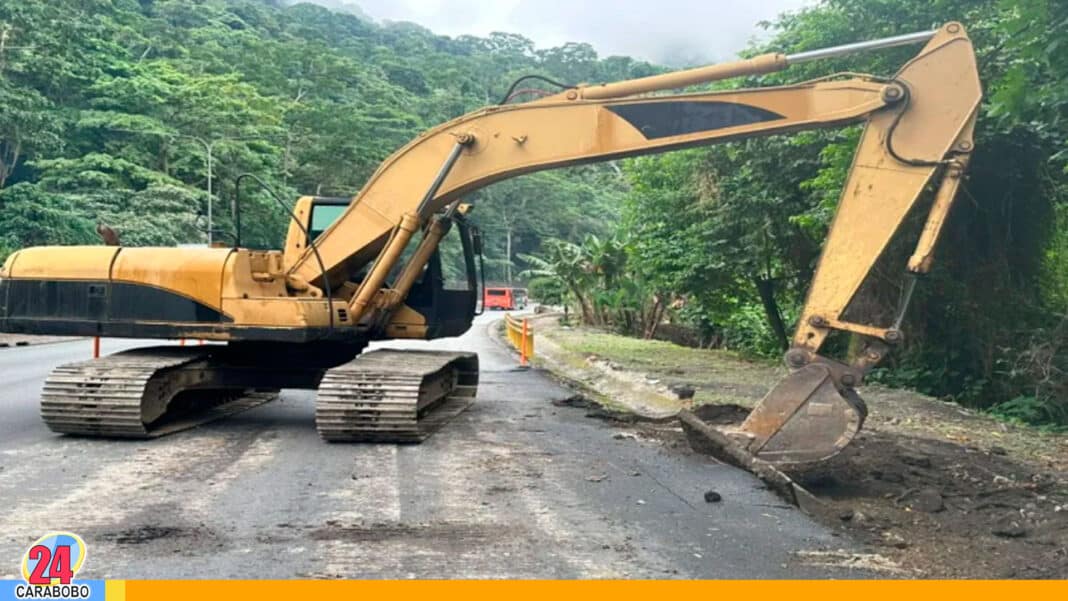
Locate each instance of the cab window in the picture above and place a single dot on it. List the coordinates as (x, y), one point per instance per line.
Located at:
(323, 215)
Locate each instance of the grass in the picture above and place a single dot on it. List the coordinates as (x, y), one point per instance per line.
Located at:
(719, 376)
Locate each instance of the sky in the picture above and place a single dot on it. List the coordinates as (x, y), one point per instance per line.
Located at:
(671, 32)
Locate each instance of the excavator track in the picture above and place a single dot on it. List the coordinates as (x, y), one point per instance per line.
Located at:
(132, 394)
(394, 396)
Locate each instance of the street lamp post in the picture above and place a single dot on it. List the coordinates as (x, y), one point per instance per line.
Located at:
(207, 151)
(209, 146)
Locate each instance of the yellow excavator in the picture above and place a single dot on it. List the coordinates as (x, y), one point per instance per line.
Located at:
(351, 272)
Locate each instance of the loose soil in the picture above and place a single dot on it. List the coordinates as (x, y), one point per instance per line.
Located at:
(940, 491)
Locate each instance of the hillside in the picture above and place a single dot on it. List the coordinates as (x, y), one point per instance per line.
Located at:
(106, 108)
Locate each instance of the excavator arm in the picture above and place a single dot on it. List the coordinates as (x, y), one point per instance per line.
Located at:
(918, 136)
(916, 120)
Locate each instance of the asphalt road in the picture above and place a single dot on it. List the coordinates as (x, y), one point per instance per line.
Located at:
(513, 488)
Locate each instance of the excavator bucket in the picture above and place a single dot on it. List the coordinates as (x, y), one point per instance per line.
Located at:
(804, 420)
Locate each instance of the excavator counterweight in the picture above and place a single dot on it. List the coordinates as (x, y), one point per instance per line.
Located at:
(300, 317)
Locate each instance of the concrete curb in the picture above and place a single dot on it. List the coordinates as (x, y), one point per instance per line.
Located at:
(618, 389)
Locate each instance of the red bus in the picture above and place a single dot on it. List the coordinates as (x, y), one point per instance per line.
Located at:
(505, 299)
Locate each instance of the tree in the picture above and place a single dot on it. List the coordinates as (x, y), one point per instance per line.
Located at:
(567, 264)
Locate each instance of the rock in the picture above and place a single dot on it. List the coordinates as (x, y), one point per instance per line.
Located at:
(846, 515)
(996, 450)
(597, 478)
(895, 540)
(576, 400)
(1009, 529)
(927, 500)
(685, 392)
(712, 496)
(915, 459)
(1001, 481)
(641, 501)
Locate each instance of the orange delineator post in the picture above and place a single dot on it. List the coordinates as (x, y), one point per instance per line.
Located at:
(96, 347)
(523, 344)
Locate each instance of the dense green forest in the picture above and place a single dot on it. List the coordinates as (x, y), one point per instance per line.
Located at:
(107, 108)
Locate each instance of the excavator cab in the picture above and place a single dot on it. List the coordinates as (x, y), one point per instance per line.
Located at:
(446, 294)
(314, 214)
(443, 294)
(324, 212)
